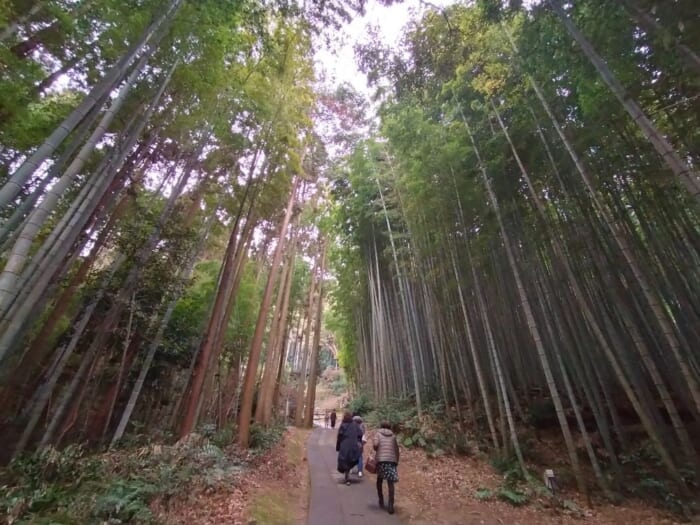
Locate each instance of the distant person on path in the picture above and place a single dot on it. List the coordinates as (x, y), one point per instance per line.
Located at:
(346, 446)
(361, 441)
(387, 457)
(334, 416)
(326, 418)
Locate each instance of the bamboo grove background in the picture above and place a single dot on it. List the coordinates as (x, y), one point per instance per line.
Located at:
(525, 228)
(519, 231)
(162, 241)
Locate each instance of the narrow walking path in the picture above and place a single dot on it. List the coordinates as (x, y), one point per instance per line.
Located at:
(333, 502)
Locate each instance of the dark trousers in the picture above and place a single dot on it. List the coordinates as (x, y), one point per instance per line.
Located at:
(380, 494)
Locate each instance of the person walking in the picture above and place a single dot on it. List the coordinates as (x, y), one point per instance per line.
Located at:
(346, 446)
(334, 416)
(361, 442)
(387, 457)
(326, 418)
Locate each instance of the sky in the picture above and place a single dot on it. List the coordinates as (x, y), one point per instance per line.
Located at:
(338, 63)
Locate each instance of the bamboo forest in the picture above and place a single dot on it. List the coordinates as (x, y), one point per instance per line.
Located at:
(207, 244)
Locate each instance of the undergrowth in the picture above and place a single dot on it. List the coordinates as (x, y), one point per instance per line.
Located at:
(436, 431)
(264, 438)
(433, 430)
(72, 486)
(646, 481)
(339, 385)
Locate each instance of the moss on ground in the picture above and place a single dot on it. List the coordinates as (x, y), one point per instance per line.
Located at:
(280, 503)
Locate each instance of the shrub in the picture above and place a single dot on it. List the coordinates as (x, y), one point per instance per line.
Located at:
(395, 411)
(513, 496)
(483, 494)
(70, 486)
(361, 405)
(224, 437)
(339, 386)
(126, 501)
(264, 438)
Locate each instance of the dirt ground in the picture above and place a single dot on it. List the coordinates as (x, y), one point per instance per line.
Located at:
(431, 491)
(326, 399)
(274, 491)
(281, 490)
(443, 491)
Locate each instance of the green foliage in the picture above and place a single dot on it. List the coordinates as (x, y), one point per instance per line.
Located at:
(512, 496)
(225, 436)
(647, 481)
(514, 488)
(70, 486)
(483, 494)
(360, 404)
(190, 316)
(339, 385)
(507, 464)
(40, 118)
(263, 438)
(396, 412)
(434, 431)
(125, 501)
(50, 465)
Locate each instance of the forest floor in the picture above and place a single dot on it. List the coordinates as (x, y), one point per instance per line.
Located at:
(445, 491)
(194, 482)
(463, 490)
(432, 491)
(330, 392)
(274, 491)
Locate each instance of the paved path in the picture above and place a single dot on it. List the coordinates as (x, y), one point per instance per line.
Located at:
(333, 502)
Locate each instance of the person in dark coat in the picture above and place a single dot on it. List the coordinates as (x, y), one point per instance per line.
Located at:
(361, 442)
(349, 434)
(333, 418)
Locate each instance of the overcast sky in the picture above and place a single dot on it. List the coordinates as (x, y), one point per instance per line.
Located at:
(338, 64)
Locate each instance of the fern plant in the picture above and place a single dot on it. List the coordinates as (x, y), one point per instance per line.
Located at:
(484, 494)
(512, 496)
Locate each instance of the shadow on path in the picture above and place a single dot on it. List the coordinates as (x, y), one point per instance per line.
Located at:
(333, 502)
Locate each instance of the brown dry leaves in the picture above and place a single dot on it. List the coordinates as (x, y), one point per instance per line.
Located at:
(442, 491)
(231, 504)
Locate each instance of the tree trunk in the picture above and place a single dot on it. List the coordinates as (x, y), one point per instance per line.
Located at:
(313, 372)
(413, 337)
(122, 366)
(264, 408)
(12, 28)
(216, 324)
(248, 389)
(45, 391)
(624, 246)
(14, 184)
(21, 212)
(532, 326)
(39, 344)
(304, 347)
(17, 257)
(55, 249)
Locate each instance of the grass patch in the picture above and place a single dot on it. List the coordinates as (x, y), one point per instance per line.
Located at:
(296, 445)
(274, 507)
(280, 502)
